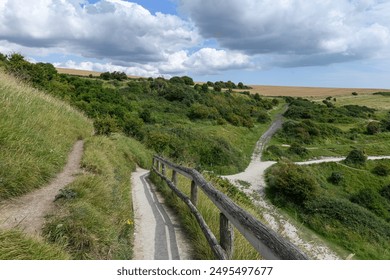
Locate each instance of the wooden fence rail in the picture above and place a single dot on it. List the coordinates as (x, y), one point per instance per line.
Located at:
(267, 242)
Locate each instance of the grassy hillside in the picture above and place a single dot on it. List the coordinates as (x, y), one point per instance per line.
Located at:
(36, 135)
(93, 219)
(347, 205)
(332, 127)
(208, 127)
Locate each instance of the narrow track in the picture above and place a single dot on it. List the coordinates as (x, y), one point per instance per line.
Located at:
(158, 235)
(27, 213)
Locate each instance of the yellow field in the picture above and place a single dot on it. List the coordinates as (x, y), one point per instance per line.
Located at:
(309, 91)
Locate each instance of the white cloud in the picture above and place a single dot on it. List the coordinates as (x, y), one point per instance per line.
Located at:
(295, 29)
(112, 29)
(209, 60)
(204, 61)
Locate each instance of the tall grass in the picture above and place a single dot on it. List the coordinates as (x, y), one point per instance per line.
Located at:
(17, 246)
(36, 135)
(96, 221)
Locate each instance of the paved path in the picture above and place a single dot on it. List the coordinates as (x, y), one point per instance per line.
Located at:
(158, 235)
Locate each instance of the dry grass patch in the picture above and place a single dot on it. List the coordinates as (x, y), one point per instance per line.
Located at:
(309, 91)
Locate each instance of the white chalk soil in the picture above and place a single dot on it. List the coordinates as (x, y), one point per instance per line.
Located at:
(158, 234)
(27, 213)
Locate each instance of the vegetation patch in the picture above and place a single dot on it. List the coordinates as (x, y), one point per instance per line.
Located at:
(15, 245)
(36, 134)
(346, 205)
(95, 217)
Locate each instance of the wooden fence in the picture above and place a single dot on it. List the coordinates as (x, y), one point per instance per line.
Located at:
(268, 243)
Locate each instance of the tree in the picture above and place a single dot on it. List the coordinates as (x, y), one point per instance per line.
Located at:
(217, 88)
(187, 80)
(205, 88)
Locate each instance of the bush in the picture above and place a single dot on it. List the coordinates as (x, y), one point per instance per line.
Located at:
(356, 157)
(381, 170)
(373, 128)
(371, 199)
(385, 192)
(146, 115)
(297, 149)
(336, 178)
(291, 183)
(105, 125)
(275, 150)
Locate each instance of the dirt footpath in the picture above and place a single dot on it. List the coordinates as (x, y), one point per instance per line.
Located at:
(27, 213)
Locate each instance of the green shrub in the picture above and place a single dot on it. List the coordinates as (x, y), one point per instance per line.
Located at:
(371, 199)
(288, 182)
(297, 149)
(349, 225)
(275, 150)
(373, 128)
(381, 170)
(336, 178)
(385, 192)
(105, 125)
(356, 157)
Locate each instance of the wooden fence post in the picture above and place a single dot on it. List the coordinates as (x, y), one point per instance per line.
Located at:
(174, 177)
(158, 165)
(226, 234)
(163, 169)
(194, 193)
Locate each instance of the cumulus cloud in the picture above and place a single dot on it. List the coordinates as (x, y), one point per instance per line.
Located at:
(113, 29)
(297, 32)
(203, 61)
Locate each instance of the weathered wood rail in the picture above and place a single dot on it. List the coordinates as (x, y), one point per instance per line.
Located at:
(267, 242)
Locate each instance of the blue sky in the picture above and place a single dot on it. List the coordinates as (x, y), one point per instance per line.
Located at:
(344, 43)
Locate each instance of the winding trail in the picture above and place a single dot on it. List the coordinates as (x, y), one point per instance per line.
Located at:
(312, 245)
(27, 213)
(309, 243)
(158, 234)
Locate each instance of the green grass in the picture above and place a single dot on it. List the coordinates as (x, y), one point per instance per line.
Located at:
(361, 229)
(17, 246)
(36, 134)
(378, 102)
(98, 222)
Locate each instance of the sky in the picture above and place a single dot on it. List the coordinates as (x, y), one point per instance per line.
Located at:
(328, 43)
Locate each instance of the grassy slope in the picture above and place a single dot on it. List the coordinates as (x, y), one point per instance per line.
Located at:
(36, 135)
(97, 223)
(356, 238)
